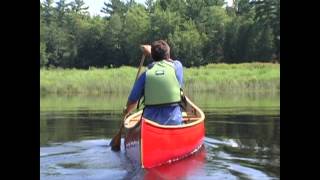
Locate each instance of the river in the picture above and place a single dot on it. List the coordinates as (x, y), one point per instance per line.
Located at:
(242, 139)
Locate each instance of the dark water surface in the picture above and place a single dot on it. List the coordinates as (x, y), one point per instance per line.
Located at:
(242, 140)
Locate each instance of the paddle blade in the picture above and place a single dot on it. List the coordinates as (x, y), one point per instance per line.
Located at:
(116, 142)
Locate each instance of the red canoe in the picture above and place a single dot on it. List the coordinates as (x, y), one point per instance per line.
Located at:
(149, 144)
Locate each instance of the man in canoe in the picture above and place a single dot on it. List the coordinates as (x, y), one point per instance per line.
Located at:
(160, 86)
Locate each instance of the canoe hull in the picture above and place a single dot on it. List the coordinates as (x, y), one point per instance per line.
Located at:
(161, 146)
(133, 145)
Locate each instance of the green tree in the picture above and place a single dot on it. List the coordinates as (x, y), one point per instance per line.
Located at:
(150, 4)
(61, 10)
(265, 45)
(78, 6)
(241, 7)
(112, 39)
(244, 7)
(114, 6)
(260, 43)
(177, 6)
(47, 8)
(247, 38)
(56, 45)
(199, 31)
(186, 44)
(212, 21)
(113, 31)
(43, 54)
(215, 2)
(194, 7)
(135, 32)
(163, 23)
(91, 50)
(231, 50)
(268, 15)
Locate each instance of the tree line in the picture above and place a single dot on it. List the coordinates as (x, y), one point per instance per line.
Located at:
(198, 31)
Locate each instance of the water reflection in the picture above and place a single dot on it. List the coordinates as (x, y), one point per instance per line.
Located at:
(62, 126)
(183, 169)
(89, 159)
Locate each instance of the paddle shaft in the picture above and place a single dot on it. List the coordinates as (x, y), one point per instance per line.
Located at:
(140, 65)
(116, 140)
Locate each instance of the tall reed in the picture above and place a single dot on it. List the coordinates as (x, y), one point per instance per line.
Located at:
(217, 78)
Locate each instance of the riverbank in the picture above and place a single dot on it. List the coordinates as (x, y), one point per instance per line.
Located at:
(113, 104)
(215, 78)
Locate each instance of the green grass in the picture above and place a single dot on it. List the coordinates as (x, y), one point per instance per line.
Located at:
(216, 78)
(257, 77)
(93, 81)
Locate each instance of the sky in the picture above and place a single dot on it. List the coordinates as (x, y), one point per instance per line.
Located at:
(96, 5)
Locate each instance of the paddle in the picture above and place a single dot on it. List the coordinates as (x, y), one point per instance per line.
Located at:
(116, 140)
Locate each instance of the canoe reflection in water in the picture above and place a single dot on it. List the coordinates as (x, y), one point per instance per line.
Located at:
(180, 169)
(191, 166)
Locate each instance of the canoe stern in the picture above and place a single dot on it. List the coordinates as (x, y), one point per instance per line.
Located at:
(162, 145)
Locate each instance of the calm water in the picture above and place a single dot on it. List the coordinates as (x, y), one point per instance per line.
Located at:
(242, 140)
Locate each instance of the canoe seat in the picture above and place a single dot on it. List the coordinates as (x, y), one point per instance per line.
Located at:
(189, 117)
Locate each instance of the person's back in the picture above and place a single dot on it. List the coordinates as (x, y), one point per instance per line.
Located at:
(160, 86)
(164, 108)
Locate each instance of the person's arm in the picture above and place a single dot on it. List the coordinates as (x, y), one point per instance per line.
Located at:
(179, 72)
(137, 90)
(135, 95)
(129, 108)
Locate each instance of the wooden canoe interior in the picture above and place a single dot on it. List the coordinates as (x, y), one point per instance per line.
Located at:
(190, 114)
(187, 118)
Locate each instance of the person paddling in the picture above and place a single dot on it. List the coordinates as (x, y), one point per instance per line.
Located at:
(160, 86)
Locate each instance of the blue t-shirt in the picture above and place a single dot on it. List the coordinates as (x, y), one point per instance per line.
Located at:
(166, 115)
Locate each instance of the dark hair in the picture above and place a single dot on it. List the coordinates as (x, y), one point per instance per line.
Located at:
(160, 50)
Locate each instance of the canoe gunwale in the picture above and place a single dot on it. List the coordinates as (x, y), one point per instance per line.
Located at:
(139, 113)
(128, 119)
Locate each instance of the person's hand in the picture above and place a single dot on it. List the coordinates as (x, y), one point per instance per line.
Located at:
(125, 113)
(146, 49)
